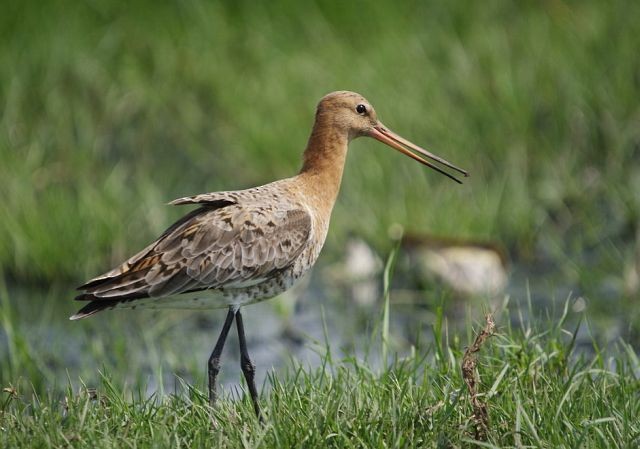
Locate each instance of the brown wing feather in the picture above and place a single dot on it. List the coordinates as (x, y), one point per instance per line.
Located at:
(221, 244)
(126, 267)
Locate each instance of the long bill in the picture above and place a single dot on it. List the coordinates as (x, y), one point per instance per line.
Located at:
(384, 135)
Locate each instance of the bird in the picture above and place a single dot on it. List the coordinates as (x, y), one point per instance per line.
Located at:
(240, 247)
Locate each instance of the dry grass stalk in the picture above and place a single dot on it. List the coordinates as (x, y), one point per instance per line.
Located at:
(480, 415)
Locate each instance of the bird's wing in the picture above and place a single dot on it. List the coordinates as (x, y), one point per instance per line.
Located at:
(222, 244)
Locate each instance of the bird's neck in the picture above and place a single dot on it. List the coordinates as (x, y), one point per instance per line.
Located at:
(323, 164)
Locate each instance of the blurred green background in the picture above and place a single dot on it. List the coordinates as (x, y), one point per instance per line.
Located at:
(111, 109)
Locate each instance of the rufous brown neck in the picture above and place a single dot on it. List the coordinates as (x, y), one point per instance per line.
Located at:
(323, 162)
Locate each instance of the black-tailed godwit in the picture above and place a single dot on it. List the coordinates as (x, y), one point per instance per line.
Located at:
(240, 247)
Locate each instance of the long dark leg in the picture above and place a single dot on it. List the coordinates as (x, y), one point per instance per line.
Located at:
(248, 368)
(214, 359)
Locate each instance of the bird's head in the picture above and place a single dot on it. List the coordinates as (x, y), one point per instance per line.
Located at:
(353, 114)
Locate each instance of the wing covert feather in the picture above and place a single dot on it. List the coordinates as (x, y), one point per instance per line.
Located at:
(212, 247)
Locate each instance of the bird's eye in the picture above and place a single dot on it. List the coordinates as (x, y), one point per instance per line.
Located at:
(361, 109)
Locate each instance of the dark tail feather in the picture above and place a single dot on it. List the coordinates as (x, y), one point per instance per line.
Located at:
(94, 307)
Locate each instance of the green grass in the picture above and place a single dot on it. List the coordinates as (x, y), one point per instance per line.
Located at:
(109, 112)
(540, 392)
(546, 383)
